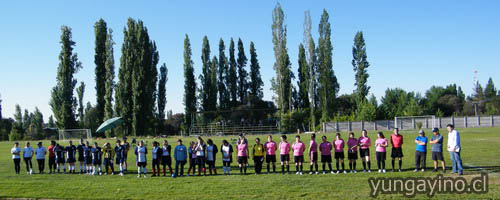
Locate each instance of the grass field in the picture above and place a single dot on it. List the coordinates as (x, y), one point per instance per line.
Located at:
(480, 154)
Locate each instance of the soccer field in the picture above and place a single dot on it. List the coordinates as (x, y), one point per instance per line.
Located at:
(480, 153)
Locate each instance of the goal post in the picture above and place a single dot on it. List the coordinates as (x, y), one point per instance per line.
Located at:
(75, 134)
(413, 122)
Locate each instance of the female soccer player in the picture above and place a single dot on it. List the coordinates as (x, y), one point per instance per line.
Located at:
(258, 153)
(16, 157)
(352, 151)
(339, 152)
(227, 156)
(298, 154)
(140, 152)
(87, 154)
(109, 155)
(119, 156)
(200, 156)
(211, 156)
(71, 156)
(243, 156)
(166, 160)
(380, 153)
(313, 154)
(61, 163)
(271, 147)
(27, 155)
(40, 157)
(284, 154)
(155, 154)
(97, 159)
(326, 154)
(81, 157)
(192, 157)
(364, 144)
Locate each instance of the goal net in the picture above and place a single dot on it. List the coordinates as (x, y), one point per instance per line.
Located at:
(75, 134)
(415, 122)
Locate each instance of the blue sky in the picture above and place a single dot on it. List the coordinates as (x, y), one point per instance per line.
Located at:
(410, 44)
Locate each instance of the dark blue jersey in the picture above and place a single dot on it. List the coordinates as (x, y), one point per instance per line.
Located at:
(119, 152)
(87, 151)
(79, 149)
(59, 151)
(96, 153)
(70, 151)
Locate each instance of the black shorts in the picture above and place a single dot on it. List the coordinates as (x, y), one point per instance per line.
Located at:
(339, 155)
(298, 159)
(81, 158)
(156, 162)
(60, 160)
(71, 160)
(364, 152)
(211, 162)
(88, 160)
(397, 152)
(270, 158)
(96, 162)
(141, 164)
(166, 160)
(314, 157)
(52, 161)
(118, 160)
(285, 157)
(380, 155)
(352, 156)
(108, 161)
(124, 158)
(437, 156)
(242, 160)
(326, 158)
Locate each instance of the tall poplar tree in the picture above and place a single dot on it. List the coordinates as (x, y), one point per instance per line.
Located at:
(222, 76)
(109, 82)
(232, 80)
(242, 73)
(80, 91)
(303, 82)
(62, 99)
(256, 84)
(360, 64)
(100, 30)
(162, 98)
(189, 86)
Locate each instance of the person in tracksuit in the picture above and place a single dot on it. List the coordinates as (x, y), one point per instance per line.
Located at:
(192, 157)
(166, 160)
(180, 155)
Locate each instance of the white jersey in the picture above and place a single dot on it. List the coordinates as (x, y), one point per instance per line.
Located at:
(28, 152)
(15, 151)
(225, 153)
(40, 153)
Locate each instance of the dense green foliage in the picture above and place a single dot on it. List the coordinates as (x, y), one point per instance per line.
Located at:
(100, 31)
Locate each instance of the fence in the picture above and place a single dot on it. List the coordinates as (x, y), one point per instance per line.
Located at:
(411, 123)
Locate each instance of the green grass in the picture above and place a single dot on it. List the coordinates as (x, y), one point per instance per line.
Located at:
(480, 149)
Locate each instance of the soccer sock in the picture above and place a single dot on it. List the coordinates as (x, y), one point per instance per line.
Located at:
(268, 168)
(301, 168)
(288, 168)
(282, 168)
(170, 169)
(350, 166)
(241, 169)
(343, 166)
(296, 168)
(330, 166)
(139, 170)
(400, 163)
(393, 161)
(354, 165)
(383, 164)
(316, 166)
(364, 165)
(274, 168)
(337, 165)
(310, 168)
(369, 165)
(245, 169)
(323, 165)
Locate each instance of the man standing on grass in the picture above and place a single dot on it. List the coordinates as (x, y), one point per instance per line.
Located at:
(397, 151)
(454, 149)
(437, 149)
(420, 154)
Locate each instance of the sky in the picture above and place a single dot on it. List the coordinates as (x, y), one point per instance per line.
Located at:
(410, 44)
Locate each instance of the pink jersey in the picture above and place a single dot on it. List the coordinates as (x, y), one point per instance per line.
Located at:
(284, 148)
(325, 148)
(364, 142)
(339, 145)
(242, 149)
(270, 148)
(313, 146)
(351, 142)
(379, 142)
(298, 149)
